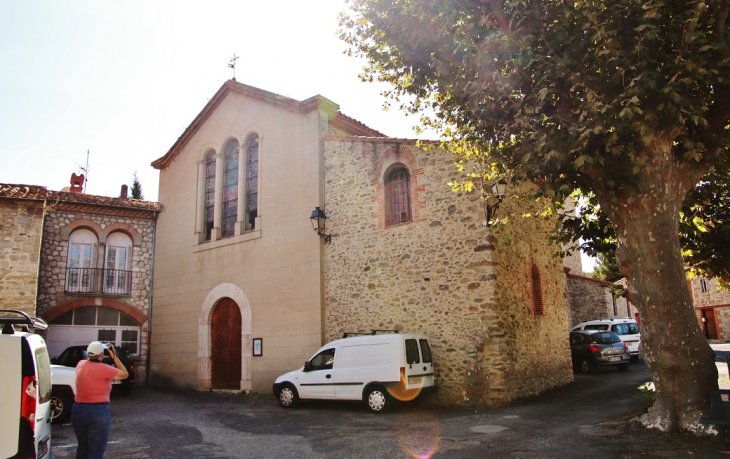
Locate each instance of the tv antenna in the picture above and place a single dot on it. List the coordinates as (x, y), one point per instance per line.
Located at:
(232, 64)
(85, 171)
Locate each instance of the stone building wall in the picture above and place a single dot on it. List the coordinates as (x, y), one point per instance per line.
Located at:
(52, 298)
(706, 294)
(21, 228)
(588, 299)
(444, 274)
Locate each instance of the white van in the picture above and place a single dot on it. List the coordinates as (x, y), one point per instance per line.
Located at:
(25, 387)
(373, 368)
(627, 329)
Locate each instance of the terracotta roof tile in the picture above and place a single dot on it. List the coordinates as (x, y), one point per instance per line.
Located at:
(8, 190)
(81, 198)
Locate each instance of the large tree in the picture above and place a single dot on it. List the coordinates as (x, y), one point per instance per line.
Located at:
(625, 99)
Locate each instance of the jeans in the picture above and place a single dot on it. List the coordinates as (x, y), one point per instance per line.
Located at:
(91, 423)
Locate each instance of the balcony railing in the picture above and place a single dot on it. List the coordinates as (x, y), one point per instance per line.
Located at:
(98, 280)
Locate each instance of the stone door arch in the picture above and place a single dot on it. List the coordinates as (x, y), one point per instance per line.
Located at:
(205, 347)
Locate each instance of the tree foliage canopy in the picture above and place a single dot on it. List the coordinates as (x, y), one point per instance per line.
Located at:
(624, 101)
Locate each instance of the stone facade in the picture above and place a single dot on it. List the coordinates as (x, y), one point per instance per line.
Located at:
(103, 217)
(445, 274)
(21, 228)
(712, 306)
(588, 299)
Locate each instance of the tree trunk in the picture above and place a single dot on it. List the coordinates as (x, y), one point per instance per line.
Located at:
(679, 358)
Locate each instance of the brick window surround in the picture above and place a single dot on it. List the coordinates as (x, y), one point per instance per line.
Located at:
(397, 156)
(535, 291)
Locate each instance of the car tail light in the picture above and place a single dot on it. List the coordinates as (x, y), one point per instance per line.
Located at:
(594, 348)
(626, 346)
(403, 375)
(28, 401)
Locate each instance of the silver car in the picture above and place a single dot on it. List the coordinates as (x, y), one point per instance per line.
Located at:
(593, 348)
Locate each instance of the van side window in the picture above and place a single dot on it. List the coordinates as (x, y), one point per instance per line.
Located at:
(412, 355)
(425, 350)
(324, 360)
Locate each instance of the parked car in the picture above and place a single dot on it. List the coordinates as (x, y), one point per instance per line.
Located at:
(63, 381)
(25, 387)
(74, 354)
(594, 348)
(372, 368)
(627, 329)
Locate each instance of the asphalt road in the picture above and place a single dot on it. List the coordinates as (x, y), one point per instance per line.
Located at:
(589, 418)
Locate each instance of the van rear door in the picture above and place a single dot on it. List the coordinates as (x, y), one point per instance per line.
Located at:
(419, 363)
(10, 365)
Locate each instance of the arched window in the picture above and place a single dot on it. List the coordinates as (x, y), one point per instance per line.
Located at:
(397, 196)
(209, 211)
(230, 189)
(81, 263)
(118, 264)
(252, 182)
(536, 285)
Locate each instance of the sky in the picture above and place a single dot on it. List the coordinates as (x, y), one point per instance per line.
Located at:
(119, 81)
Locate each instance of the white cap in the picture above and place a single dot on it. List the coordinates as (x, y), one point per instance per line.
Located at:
(95, 349)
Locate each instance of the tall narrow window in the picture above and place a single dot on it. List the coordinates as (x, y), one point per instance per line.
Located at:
(118, 263)
(80, 266)
(252, 182)
(537, 300)
(397, 196)
(703, 285)
(209, 210)
(230, 189)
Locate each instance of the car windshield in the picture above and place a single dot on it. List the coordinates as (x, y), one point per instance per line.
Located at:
(605, 338)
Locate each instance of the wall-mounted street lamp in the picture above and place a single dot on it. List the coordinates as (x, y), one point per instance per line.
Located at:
(498, 191)
(318, 219)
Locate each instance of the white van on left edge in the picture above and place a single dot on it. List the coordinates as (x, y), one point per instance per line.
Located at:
(25, 387)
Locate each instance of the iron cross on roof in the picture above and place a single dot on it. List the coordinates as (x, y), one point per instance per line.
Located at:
(232, 64)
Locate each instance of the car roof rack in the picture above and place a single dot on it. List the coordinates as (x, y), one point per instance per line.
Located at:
(372, 332)
(19, 318)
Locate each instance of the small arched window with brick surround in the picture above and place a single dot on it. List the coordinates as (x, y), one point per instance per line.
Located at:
(397, 196)
(538, 304)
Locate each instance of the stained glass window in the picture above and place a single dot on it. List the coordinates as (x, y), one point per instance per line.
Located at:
(230, 189)
(209, 194)
(252, 182)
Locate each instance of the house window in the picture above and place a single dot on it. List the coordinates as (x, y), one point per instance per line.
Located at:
(230, 189)
(252, 182)
(397, 196)
(703, 285)
(209, 210)
(80, 272)
(536, 285)
(118, 264)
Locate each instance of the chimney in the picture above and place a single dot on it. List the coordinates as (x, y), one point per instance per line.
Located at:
(123, 194)
(77, 183)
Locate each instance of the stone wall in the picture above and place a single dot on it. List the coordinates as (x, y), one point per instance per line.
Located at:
(710, 295)
(21, 227)
(444, 274)
(588, 299)
(52, 298)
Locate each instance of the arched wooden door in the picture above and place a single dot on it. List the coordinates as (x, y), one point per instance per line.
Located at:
(226, 345)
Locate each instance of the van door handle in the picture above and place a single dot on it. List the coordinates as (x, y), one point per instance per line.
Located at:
(40, 419)
(329, 376)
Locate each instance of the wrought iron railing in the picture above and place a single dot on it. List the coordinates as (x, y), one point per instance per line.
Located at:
(98, 280)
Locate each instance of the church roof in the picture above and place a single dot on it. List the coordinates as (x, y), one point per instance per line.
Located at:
(339, 120)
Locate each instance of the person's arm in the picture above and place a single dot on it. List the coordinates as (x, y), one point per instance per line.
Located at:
(123, 373)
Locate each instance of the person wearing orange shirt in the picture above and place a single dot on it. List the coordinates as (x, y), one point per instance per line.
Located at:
(90, 414)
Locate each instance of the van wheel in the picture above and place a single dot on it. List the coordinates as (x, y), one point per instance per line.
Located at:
(61, 402)
(378, 400)
(585, 365)
(288, 396)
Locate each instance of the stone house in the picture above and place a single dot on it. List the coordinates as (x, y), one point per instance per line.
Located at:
(712, 306)
(95, 277)
(21, 228)
(237, 262)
